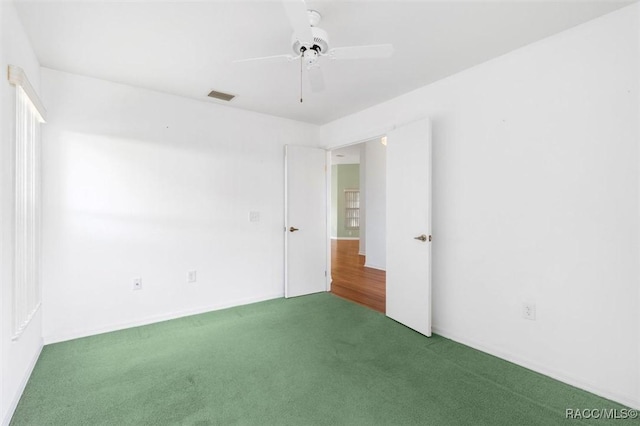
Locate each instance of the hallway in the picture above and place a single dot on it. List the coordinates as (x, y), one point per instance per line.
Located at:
(352, 280)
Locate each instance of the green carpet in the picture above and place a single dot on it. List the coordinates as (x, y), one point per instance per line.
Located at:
(313, 360)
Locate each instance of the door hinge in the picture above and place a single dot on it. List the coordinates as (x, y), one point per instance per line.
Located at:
(325, 273)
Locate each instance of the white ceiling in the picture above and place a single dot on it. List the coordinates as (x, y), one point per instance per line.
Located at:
(188, 48)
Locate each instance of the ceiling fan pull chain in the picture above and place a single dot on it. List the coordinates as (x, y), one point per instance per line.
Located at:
(301, 60)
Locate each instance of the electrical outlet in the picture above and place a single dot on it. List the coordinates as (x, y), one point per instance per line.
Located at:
(529, 311)
(137, 283)
(191, 277)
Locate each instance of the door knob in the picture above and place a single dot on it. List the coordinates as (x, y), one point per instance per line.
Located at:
(292, 229)
(422, 238)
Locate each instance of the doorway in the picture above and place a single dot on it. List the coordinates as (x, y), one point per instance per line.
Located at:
(358, 216)
(402, 230)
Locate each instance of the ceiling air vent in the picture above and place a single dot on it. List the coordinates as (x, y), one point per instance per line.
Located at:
(222, 96)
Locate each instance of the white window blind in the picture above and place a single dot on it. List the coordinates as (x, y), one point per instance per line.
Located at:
(27, 202)
(352, 209)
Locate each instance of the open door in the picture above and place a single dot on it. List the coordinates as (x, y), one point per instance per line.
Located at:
(409, 225)
(305, 221)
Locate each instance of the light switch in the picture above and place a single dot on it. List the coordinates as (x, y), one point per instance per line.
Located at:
(254, 216)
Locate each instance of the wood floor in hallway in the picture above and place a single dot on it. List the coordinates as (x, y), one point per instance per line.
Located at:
(352, 280)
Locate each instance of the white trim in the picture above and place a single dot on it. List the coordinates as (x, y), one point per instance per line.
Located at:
(286, 223)
(23, 384)
(539, 368)
(327, 218)
(376, 133)
(345, 238)
(369, 265)
(361, 253)
(56, 338)
(375, 136)
(17, 77)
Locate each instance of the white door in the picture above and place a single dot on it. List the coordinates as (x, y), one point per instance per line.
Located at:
(305, 221)
(409, 225)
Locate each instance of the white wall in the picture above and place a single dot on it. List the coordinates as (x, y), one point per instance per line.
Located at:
(536, 198)
(17, 357)
(334, 201)
(144, 184)
(376, 205)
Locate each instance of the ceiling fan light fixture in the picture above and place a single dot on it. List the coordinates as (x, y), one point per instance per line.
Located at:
(310, 57)
(320, 42)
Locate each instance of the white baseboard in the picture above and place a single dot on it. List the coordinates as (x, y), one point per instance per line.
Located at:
(345, 238)
(23, 385)
(539, 368)
(372, 266)
(361, 253)
(63, 337)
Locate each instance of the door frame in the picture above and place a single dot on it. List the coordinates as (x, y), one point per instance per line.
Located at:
(368, 135)
(329, 205)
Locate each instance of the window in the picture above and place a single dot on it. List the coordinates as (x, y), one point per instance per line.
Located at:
(352, 209)
(26, 199)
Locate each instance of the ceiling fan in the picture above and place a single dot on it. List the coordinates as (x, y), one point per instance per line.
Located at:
(311, 43)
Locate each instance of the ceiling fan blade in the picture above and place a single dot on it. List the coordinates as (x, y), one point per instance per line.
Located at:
(299, 20)
(316, 79)
(361, 52)
(275, 58)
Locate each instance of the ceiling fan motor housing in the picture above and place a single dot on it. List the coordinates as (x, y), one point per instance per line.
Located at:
(320, 42)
